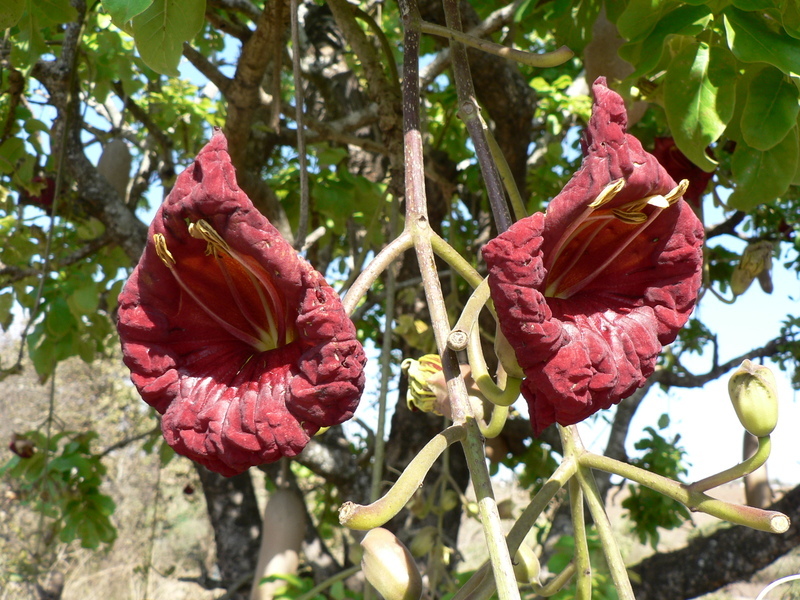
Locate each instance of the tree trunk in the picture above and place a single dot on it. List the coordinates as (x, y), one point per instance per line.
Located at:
(233, 511)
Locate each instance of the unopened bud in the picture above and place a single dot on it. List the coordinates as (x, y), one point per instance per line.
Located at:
(423, 541)
(756, 259)
(526, 565)
(754, 394)
(389, 567)
(449, 500)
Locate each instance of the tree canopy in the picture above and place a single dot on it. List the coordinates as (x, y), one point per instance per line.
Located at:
(389, 144)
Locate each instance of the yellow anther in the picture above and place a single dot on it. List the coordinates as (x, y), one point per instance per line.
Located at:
(203, 231)
(163, 252)
(608, 193)
(630, 217)
(677, 192)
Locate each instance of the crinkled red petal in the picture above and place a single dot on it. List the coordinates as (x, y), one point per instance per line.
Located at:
(590, 350)
(225, 404)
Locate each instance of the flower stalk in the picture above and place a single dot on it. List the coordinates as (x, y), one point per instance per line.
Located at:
(358, 516)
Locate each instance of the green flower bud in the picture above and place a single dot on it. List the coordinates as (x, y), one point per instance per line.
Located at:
(754, 395)
(756, 259)
(389, 567)
(526, 565)
(449, 500)
(423, 541)
(420, 396)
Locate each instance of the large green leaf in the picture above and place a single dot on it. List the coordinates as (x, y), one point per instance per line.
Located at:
(161, 30)
(52, 12)
(122, 11)
(790, 16)
(699, 93)
(640, 17)
(645, 54)
(771, 109)
(10, 13)
(754, 4)
(751, 40)
(763, 176)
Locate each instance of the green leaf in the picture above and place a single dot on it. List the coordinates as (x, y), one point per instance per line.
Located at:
(770, 110)
(640, 17)
(699, 93)
(645, 54)
(52, 12)
(754, 4)
(791, 18)
(161, 30)
(84, 300)
(122, 11)
(763, 176)
(751, 40)
(10, 13)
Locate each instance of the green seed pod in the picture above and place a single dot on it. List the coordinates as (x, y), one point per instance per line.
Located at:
(754, 395)
(526, 565)
(389, 567)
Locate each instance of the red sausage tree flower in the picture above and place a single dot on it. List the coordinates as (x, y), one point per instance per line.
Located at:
(235, 339)
(589, 292)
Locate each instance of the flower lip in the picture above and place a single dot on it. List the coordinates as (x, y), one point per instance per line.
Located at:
(235, 339)
(588, 292)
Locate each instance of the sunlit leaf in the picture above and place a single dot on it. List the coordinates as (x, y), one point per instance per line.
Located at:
(699, 93)
(771, 109)
(640, 17)
(122, 11)
(751, 40)
(161, 30)
(763, 176)
(684, 20)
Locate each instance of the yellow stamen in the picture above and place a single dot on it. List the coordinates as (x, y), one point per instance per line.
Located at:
(203, 231)
(631, 218)
(163, 253)
(608, 193)
(677, 192)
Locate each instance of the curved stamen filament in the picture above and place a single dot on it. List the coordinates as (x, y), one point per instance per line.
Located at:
(605, 196)
(202, 230)
(166, 257)
(631, 236)
(552, 287)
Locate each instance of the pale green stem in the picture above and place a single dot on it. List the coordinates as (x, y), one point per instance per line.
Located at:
(495, 425)
(341, 575)
(376, 266)
(573, 446)
(472, 309)
(744, 468)
(457, 262)
(480, 373)
(358, 516)
(522, 526)
(755, 518)
(554, 586)
(583, 566)
(547, 59)
(499, 555)
(517, 205)
(386, 367)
